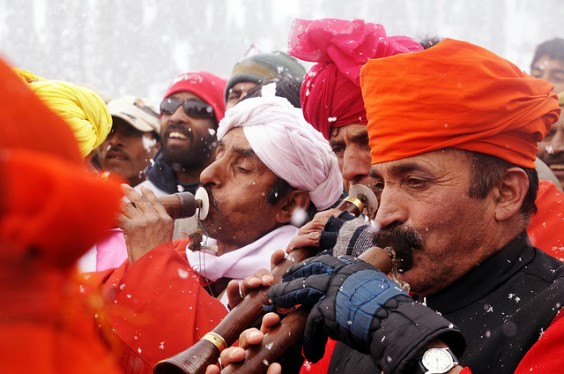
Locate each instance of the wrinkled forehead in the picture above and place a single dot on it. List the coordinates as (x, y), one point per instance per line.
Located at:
(235, 139)
(546, 59)
(445, 160)
(352, 132)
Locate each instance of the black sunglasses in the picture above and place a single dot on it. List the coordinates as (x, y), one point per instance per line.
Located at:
(193, 108)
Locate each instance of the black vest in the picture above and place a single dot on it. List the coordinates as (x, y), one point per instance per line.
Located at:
(502, 307)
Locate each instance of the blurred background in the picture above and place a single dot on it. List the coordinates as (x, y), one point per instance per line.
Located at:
(136, 47)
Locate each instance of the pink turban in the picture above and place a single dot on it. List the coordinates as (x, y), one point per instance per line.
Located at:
(330, 94)
(457, 95)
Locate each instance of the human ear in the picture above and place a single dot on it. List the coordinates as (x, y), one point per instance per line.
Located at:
(511, 190)
(296, 199)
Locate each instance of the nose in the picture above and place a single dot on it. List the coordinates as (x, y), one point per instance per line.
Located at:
(390, 210)
(211, 175)
(115, 138)
(178, 116)
(356, 165)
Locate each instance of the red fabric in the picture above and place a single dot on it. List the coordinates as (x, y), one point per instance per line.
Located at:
(156, 307)
(206, 86)
(46, 324)
(547, 354)
(53, 206)
(546, 228)
(27, 123)
(330, 94)
(455, 94)
(51, 211)
(321, 366)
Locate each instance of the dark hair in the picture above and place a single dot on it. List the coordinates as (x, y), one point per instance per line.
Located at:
(553, 49)
(486, 172)
(429, 41)
(281, 189)
(286, 87)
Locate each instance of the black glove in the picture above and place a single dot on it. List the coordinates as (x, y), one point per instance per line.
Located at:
(346, 235)
(359, 305)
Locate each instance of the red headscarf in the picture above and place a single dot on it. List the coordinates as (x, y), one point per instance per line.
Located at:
(455, 94)
(207, 86)
(330, 94)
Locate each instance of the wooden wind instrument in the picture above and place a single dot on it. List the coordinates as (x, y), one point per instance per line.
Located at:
(195, 359)
(289, 332)
(185, 204)
(179, 205)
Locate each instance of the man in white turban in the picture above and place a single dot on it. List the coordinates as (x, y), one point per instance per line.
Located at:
(271, 171)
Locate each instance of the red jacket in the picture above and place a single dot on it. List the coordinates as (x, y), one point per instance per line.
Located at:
(546, 228)
(157, 307)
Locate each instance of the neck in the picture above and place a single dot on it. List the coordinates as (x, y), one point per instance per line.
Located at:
(188, 176)
(223, 248)
(235, 243)
(191, 175)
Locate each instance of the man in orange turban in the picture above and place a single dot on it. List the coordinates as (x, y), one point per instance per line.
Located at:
(453, 133)
(52, 209)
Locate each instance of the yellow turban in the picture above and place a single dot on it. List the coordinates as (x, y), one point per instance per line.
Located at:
(82, 108)
(455, 94)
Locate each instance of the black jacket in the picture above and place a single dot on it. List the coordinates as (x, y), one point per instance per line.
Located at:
(502, 307)
(163, 176)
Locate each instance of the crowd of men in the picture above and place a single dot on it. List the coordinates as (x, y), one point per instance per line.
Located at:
(462, 149)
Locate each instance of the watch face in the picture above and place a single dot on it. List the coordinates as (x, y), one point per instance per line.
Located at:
(437, 360)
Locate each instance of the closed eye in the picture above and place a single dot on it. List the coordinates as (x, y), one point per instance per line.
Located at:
(417, 182)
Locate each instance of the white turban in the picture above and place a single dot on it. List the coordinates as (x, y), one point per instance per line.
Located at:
(289, 146)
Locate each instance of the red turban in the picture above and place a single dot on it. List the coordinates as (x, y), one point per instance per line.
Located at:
(455, 94)
(330, 94)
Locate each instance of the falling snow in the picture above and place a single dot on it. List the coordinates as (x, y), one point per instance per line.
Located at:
(213, 35)
(182, 273)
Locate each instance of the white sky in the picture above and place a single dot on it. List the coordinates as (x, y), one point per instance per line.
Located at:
(137, 46)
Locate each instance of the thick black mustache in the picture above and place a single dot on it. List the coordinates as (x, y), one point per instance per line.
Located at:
(404, 240)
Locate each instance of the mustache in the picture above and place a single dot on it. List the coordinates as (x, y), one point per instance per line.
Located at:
(403, 239)
(555, 158)
(179, 127)
(113, 150)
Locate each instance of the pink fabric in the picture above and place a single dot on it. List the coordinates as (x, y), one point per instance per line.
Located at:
(330, 94)
(111, 252)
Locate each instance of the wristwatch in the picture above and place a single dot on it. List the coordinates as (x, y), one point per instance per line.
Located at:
(437, 361)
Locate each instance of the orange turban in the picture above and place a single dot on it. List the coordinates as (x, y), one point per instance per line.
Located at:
(52, 210)
(455, 94)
